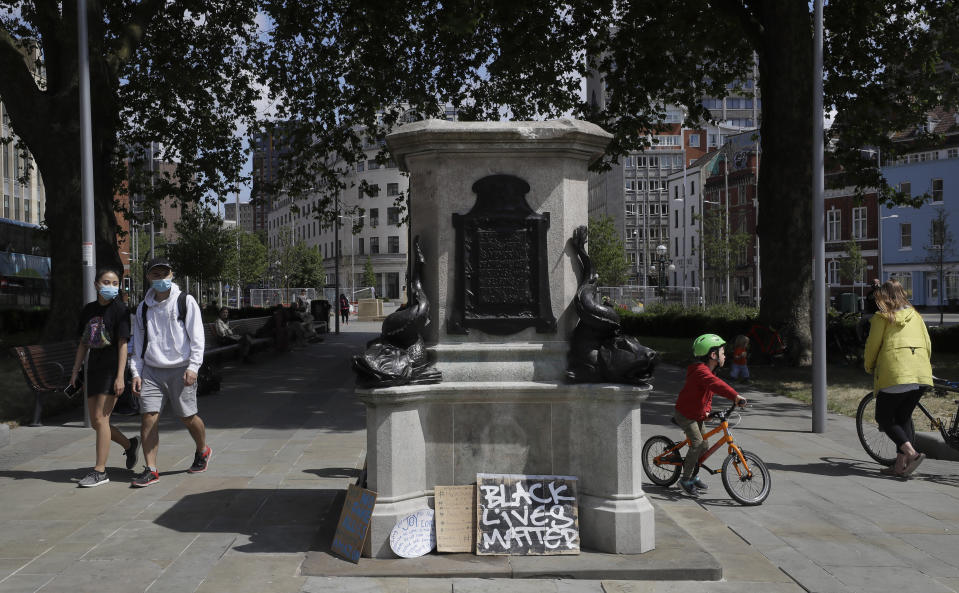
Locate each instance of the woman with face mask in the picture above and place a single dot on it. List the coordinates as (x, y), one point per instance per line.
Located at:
(104, 330)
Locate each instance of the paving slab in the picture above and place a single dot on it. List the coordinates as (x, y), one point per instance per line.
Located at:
(289, 437)
(677, 556)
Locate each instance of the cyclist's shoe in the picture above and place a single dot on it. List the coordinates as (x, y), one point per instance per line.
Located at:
(913, 464)
(689, 487)
(698, 483)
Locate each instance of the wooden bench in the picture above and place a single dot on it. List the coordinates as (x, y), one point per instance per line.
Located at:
(212, 347)
(251, 326)
(47, 369)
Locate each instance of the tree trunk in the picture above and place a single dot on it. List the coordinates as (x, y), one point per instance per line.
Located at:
(785, 180)
(53, 138)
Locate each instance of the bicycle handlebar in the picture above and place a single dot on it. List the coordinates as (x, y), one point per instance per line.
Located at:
(945, 383)
(721, 414)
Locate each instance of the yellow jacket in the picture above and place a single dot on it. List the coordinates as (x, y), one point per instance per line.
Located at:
(898, 352)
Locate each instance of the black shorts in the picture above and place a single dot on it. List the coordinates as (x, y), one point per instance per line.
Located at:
(101, 373)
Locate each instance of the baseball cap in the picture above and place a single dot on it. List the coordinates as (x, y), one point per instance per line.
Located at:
(158, 262)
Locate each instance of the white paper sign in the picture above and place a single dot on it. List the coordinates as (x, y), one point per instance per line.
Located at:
(413, 535)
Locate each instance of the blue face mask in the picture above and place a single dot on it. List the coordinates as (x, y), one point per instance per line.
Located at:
(162, 285)
(108, 291)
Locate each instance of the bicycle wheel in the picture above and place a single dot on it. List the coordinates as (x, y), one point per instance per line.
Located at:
(746, 487)
(661, 474)
(879, 446)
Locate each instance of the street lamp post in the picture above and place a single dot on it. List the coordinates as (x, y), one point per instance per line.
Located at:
(352, 251)
(663, 269)
(879, 247)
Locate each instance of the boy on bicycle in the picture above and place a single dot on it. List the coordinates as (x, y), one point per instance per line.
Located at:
(695, 402)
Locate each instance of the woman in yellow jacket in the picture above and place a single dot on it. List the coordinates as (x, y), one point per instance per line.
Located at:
(897, 354)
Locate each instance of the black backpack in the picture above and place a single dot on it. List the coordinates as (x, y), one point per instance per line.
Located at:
(181, 316)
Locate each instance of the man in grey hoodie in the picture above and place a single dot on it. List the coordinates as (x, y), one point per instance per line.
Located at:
(167, 354)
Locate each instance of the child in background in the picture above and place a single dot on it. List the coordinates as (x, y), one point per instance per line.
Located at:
(739, 369)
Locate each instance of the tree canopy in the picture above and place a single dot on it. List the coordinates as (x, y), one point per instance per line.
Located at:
(343, 69)
(607, 252)
(170, 73)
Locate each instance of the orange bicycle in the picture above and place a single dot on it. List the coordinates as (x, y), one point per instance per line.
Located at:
(744, 474)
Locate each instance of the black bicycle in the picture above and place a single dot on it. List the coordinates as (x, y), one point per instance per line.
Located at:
(880, 447)
(843, 344)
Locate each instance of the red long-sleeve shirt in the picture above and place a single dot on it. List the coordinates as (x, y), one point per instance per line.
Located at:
(696, 397)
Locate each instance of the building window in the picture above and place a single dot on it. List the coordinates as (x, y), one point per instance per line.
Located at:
(952, 285)
(630, 209)
(937, 190)
(393, 216)
(952, 153)
(361, 246)
(630, 185)
(905, 235)
(859, 223)
(906, 188)
(360, 167)
(374, 217)
(676, 219)
(670, 140)
(392, 189)
(694, 140)
(833, 279)
(393, 244)
(692, 187)
(372, 164)
(904, 278)
(937, 232)
(834, 225)
(374, 245)
(629, 162)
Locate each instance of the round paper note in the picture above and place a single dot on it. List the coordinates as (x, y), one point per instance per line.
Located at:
(413, 535)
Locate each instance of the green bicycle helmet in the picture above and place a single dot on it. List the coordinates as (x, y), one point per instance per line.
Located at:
(706, 342)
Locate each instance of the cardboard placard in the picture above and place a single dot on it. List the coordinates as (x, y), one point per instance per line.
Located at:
(526, 515)
(354, 523)
(455, 516)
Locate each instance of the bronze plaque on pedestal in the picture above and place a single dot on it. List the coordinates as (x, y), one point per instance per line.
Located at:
(502, 284)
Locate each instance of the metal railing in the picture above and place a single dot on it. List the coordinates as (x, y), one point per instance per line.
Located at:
(635, 298)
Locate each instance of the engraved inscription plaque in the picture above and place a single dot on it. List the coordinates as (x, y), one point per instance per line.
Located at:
(502, 284)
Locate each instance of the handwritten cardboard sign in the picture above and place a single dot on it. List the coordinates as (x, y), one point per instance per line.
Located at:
(526, 515)
(455, 517)
(354, 523)
(413, 535)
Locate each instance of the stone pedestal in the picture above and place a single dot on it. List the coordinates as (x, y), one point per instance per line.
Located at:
(503, 406)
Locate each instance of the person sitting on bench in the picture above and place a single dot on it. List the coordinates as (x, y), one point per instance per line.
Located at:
(227, 336)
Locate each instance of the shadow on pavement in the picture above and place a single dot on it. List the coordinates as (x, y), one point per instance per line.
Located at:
(267, 521)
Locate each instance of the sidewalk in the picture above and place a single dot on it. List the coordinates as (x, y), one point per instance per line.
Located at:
(288, 437)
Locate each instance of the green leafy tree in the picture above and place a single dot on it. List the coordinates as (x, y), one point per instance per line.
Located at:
(852, 268)
(173, 72)
(941, 252)
(607, 252)
(369, 276)
(721, 247)
(202, 246)
(249, 261)
(308, 269)
(526, 60)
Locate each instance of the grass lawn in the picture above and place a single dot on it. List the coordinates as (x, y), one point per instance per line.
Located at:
(846, 385)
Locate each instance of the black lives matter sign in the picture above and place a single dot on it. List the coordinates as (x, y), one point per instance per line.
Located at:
(526, 515)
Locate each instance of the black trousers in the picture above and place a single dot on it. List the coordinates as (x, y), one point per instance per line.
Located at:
(894, 415)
